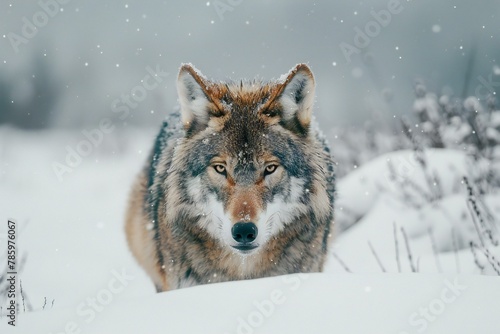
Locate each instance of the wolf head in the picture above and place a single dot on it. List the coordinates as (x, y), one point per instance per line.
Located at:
(249, 165)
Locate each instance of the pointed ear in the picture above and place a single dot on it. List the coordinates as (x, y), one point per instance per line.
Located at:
(197, 104)
(296, 96)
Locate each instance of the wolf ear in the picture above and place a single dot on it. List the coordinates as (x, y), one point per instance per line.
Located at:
(296, 96)
(193, 89)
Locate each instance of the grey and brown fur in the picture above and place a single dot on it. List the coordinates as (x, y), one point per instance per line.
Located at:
(182, 207)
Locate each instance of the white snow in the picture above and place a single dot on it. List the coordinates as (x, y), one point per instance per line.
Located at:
(313, 303)
(358, 191)
(71, 233)
(495, 119)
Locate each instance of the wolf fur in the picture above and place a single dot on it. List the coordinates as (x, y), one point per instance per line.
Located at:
(241, 152)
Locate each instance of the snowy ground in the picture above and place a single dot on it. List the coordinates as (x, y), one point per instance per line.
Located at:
(71, 233)
(314, 303)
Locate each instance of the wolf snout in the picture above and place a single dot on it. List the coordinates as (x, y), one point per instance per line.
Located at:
(244, 232)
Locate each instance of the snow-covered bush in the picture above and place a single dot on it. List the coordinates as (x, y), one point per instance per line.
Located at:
(441, 189)
(354, 146)
(465, 124)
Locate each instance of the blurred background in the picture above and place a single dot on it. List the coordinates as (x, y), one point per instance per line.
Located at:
(64, 63)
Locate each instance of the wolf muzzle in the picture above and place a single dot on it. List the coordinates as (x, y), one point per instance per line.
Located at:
(244, 234)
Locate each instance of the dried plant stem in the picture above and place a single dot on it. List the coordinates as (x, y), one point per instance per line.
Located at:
(410, 256)
(376, 257)
(396, 245)
(346, 268)
(434, 250)
(495, 264)
(455, 249)
(22, 295)
(474, 254)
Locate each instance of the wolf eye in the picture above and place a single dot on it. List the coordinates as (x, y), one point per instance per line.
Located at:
(270, 169)
(221, 169)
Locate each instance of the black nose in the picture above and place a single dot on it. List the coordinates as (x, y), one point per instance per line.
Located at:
(244, 232)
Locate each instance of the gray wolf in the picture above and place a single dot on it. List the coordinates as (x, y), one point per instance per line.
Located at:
(239, 184)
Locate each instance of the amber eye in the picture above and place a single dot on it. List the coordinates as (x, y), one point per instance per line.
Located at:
(270, 169)
(221, 169)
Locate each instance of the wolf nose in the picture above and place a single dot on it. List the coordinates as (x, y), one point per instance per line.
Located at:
(244, 232)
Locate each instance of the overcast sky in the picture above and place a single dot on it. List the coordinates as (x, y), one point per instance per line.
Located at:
(94, 51)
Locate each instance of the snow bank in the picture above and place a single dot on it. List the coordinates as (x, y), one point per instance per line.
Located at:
(359, 191)
(313, 303)
(446, 223)
(373, 216)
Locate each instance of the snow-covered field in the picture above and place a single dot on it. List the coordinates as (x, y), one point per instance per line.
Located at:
(79, 277)
(314, 303)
